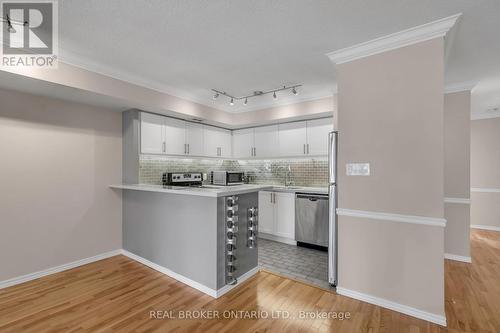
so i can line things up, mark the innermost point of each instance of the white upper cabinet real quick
(175, 136)
(317, 136)
(217, 142)
(152, 134)
(194, 139)
(266, 141)
(243, 143)
(293, 139)
(169, 136)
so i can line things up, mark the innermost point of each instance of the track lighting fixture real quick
(245, 98)
(10, 22)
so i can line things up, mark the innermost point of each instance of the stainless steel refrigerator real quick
(332, 215)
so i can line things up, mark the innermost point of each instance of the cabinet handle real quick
(308, 149)
(254, 151)
(164, 148)
(304, 148)
(188, 148)
(185, 148)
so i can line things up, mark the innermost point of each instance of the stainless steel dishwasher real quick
(311, 219)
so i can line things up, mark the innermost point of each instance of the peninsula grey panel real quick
(130, 146)
(176, 231)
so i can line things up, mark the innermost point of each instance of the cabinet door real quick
(194, 139)
(266, 141)
(175, 136)
(317, 136)
(266, 212)
(293, 139)
(226, 144)
(152, 136)
(243, 143)
(217, 142)
(284, 210)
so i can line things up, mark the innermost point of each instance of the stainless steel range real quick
(182, 179)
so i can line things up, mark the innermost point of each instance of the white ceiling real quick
(187, 47)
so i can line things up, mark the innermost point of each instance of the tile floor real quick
(299, 263)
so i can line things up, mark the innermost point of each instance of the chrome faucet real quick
(288, 176)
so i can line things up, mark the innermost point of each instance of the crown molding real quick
(459, 87)
(396, 40)
(485, 115)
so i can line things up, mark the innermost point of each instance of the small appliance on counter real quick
(227, 178)
(182, 179)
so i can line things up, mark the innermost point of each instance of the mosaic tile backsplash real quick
(303, 172)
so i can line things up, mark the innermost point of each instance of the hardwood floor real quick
(118, 295)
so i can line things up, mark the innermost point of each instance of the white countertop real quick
(206, 191)
(218, 191)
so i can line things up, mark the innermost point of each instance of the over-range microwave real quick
(228, 178)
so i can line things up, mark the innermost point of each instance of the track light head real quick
(246, 101)
(274, 95)
(10, 28)
(232, 102)
(216, 95)
(294, 91)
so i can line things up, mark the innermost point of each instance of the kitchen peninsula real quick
(204, 237)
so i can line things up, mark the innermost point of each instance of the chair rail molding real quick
(424, 220)
(394, 41)
(465, 201)
(485, 189)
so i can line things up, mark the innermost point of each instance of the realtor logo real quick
(29, 33)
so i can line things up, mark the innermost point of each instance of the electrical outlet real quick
(357, 169)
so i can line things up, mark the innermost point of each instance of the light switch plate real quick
(357, 169)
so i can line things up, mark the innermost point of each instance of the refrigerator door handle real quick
(332, 157)
(332, 235)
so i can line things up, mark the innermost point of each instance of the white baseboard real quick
(457, 258)
(57, 269)
(277, 238)
(485, 227)
(241, 279)
(172, 274)
(187, 281)
(433, 318)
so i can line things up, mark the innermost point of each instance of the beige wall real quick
(57, 160)
(394, 261)
(323, 107)
(457, 172)
(133, 96)
(485, 173)
(390, 114)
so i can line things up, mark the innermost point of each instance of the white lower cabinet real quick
(266, 212)
(277, 215)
